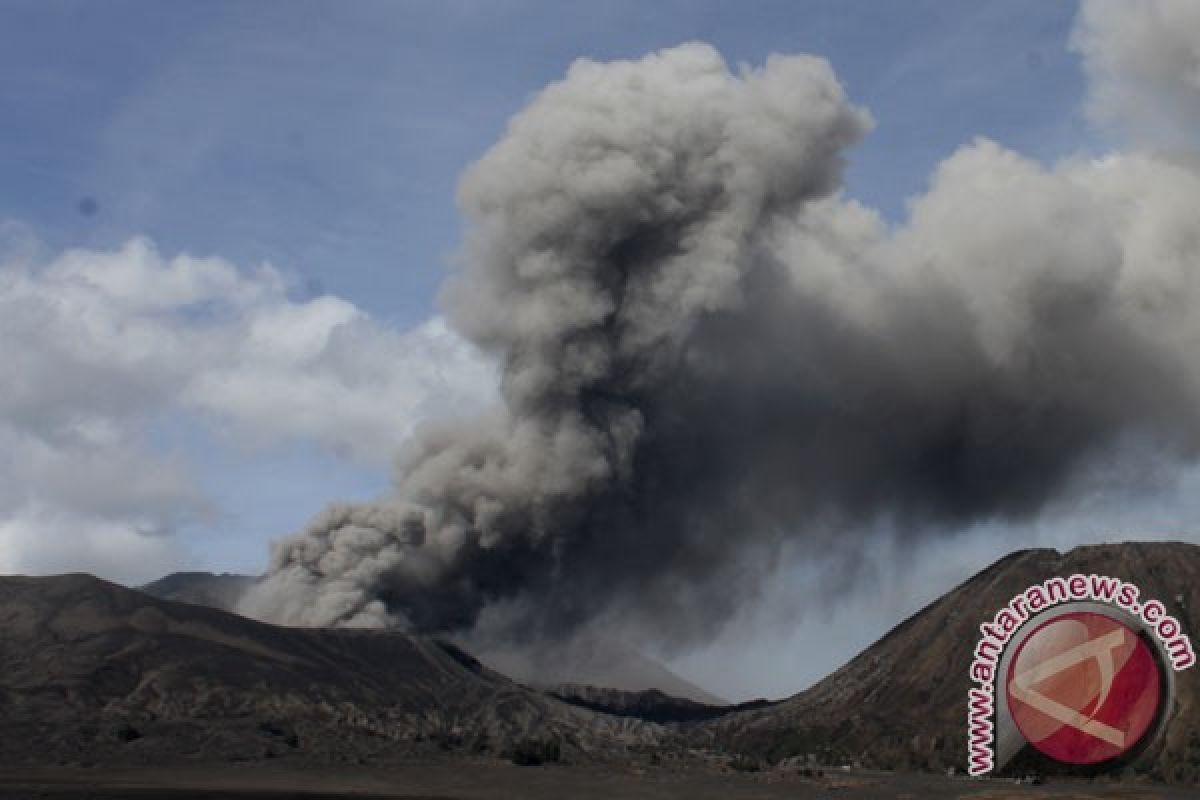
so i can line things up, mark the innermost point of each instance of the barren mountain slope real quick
(594, 661)
(902, 701)
(201, 588)
(90, 670)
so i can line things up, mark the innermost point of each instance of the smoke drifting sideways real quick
(710, 356)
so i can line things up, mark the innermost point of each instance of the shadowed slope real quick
(902, 701)
(89, 669)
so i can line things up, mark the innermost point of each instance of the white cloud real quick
(36, 540)
(103, 348)
(327, 372)
(1142, 60)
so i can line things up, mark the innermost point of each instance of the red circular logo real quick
(1084, 688)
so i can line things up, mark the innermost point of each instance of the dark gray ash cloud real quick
(709, 355)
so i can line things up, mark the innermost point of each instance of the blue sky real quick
(326, 139)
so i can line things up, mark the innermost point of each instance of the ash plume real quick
(709, 355)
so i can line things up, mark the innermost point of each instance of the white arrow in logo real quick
(1101, 649)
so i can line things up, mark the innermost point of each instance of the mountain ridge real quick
(594, 661)
(90, 669)
(901, 703)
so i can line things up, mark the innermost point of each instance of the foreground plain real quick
(480, 779)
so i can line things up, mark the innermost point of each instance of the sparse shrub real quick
(126, 732)
(448, 741)
(534, 752)
(745, 764)
(279, 731)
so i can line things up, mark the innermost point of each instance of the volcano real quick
(94, 672)
(902, 702)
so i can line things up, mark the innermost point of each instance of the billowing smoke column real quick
(708, 354)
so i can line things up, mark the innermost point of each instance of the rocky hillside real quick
(902, 702)
(92, 671)
(202, 588)
(592, 661)
(649, 704)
